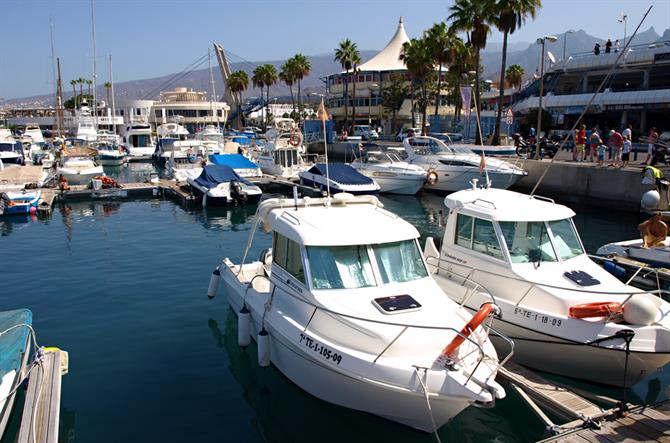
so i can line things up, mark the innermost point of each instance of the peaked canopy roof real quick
(388, 58)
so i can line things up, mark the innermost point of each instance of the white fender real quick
(214, 281)
(263, 341)
(243, 327)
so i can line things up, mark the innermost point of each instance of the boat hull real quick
(396, 185)
(337, 188)
(80, 177)
(452, 181)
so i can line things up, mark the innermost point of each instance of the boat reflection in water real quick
(233, 218)
(284, 412)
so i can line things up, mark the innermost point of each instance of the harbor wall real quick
(584, 183)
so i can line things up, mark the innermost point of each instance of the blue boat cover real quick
(13, 343)
(242, 140)
(212, 175)
(235, 161)
(341, 173)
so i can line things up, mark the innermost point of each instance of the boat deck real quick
(41, 410)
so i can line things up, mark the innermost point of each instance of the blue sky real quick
(149, 38)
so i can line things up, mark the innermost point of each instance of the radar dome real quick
(650, 200)
(640, 310)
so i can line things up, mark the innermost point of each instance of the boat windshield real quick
(565, 239)
(528, 241)
(399, 261)
(6, 147)
(340, 267)
(427, 146)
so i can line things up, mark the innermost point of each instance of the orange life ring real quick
(474, 322)
(294, 140)
(431, 177)
(598, 309)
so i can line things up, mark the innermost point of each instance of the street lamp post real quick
(565, 40)
(624, 20)
(541, 41)
(372, 86)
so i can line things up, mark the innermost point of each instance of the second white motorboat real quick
(355, 319)
(393, 175)
(77, 164)
(338, 177)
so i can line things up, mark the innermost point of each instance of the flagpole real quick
(324, 117)
(481, 142)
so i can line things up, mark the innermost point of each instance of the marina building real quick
(370, 79)
(189, 108)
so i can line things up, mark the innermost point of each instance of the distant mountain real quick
(577, 42)
(525, 54)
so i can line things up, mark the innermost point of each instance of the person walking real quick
(625, 152)
(594, 143)
(652, 138)
(580, 143)
(608, 46)
(615, 141)
(617, 45)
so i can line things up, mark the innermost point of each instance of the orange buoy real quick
(474, 322)
(598, 309)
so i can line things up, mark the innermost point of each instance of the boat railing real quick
(291, 292)
(532, 285)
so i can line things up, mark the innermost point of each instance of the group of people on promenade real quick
(608, 47)
(589, 143)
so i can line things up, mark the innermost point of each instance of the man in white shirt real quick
(628, 132)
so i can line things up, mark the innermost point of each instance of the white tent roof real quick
(388, 58)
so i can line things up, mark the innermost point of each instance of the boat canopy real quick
(212, 175)
(13, 343)
(235, 161)
(341, 173)
(502, 205)
(339, 224)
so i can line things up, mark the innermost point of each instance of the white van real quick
(366, 132)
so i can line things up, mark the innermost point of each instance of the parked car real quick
(366, 132)
(404, 133)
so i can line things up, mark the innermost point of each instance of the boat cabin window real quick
(399, 262)
(286, 254)
(565, 238)
(340, 267)
(479, 235)
(528, 241)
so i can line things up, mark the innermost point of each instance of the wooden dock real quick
(640, 424)
(41, 410)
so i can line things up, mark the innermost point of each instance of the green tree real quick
(88, 85)
(73, 83)
(393, 96)
(444, 46)
(288, 76)
(81, 81)
(474, 17)
(509, 16)
(108, 88)
(302, 68)
(514, 76)
(417, 57)
(238, 82)
(345, 55)
(265, 76)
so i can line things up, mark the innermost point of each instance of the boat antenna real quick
(481, 143)
(593, 97)
(95, 82)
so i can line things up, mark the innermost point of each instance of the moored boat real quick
(77, 164)
(338, 177)
(220, 185)
(18, 203)
(393, 175)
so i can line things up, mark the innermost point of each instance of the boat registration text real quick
(320, 349)
(536, 317)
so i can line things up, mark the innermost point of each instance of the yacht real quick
(220, 185)
(393, 175)
(33, 131)
(355, 319)
(172, 130)
(212, 140)
(109, 154)
(452, 168)
(77, 163)
(139, 141)
(338, 177)
(282, 156)
(174, 151)
(566, 314)
(11, 152)
(86, 124)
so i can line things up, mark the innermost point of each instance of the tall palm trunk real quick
(501, 96)
(81, 88)
(478, 139)
(424, 110)
(439, 89)
(346, 100)
(299, 104)
(353, 105)
(290, 88)
(74, 95)
(412, 105)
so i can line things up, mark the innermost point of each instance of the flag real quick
(482, 164)
(322, 113)
(466, 99)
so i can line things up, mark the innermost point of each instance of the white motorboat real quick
(106, 136)
(347, 311)
(456, 166)
(566, 314)
(175, 151)
(139, 141)
(241, 164)
(11, 152)
(282, 156)
(86, 129)
(338, 177)
(220, 185)
(33, 131)
(212, 140)
(77, 163)
(109, 154)
(393, 175)
(658, 256)
(172, 130)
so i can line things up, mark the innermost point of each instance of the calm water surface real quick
(121, 286)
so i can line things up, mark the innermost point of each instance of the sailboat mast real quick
(212, 96)
(95, 83)
(111, 81)
(59, 102)
(53, 55)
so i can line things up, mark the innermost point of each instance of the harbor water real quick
(121, 286)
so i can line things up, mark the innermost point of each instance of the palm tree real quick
(393, 97)
(474, 17)
(238, 81)
(88, 84)
(355, 60)
(81, 81)
(510, 15)
(302, 70)
(417, 57)
(108, 87)
(288, 76)
(444, 46)
(265, 76)
(514, 76)
(73, 83)
(345, 54)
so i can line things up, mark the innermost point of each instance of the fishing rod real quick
(593, 97)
